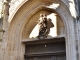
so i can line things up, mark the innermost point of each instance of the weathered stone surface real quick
(19, 25)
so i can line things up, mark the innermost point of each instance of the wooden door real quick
(46, 51)
(46, 58)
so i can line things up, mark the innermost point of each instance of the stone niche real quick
(31, 30)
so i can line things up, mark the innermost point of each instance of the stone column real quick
(77, 28)
(5, 29)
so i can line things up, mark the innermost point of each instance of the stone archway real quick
(22, 17)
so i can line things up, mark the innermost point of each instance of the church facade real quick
(19, 30)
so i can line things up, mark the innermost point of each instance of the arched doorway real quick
(52, 47)
(21, 25)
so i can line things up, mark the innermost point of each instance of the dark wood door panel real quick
(50, 57)
(40, 58)
(46, 48)
(49, 50)
(60, 57)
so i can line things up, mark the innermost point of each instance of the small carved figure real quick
(42, 25)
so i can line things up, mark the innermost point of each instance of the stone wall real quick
(12, 48)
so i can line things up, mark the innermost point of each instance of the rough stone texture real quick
(11, 47)
(1, 7)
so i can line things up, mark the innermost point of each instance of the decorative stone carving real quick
(44, 26)
(14, 5)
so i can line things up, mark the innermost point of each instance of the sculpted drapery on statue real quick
(44, 26)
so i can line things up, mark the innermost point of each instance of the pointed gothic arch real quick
(23, 15)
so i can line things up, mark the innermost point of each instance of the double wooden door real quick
(46, 51)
